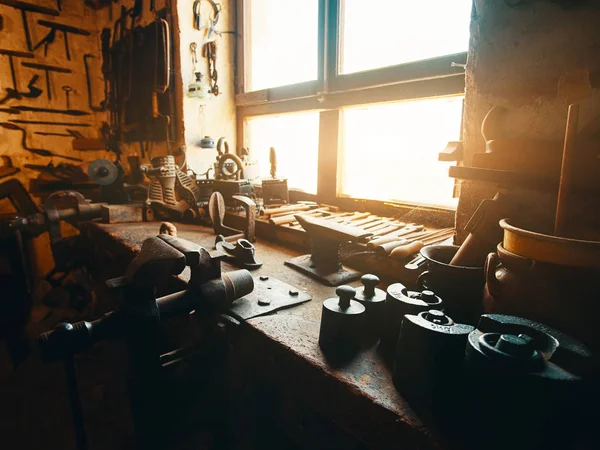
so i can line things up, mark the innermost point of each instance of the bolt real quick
(263, 278)
(437, 317)
(293, 293)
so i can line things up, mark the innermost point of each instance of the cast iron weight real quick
(429, 354)
(400, 301)
(531, 379)
(342, 322)
(373, 300)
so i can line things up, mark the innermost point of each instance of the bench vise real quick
(138, 319)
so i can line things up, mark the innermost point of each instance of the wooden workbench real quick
(282, 348)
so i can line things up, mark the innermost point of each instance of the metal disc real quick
(103, 172)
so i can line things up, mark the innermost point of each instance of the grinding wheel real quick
(103, 172)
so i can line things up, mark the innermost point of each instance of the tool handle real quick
(566, 173)
(404, 251)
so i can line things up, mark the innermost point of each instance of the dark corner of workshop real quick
(299, 225)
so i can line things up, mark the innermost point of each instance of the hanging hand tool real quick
(14, 92)
(54, 28)
(10, 111)
(7, 169)
(88, 81)
(25, 8)
(67, 112)
(210, 53)
(43, 122)
(37, 151)
(68, 90)
(47, 69)
(44, 133)
(76, 134)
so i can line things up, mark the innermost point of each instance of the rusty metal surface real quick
(269, 295)
(359, 395)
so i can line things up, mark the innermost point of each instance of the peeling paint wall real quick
(516, 57)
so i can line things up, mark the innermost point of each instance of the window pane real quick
(281, 42)
(296, 141)
(390, 151)
(384, 33)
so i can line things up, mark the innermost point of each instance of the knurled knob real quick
(345, 293)
(370, 282)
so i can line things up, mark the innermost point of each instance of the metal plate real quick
(305, 265)
(269, 295)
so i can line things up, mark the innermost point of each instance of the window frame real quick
(332, 91)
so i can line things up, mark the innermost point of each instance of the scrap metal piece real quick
(269, 295)
(242, 252)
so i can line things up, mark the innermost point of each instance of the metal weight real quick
(342, 322)
(429, 354)
(400, 301)
(530, 380)
(373, 300)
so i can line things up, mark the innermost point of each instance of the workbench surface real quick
(358, 395)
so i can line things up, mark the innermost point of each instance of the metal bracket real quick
(269, 295)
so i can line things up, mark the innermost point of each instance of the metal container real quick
(461, 287)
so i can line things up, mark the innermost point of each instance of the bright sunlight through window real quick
(296, 141)
(282, 43)
(382, 33)
(390, 151)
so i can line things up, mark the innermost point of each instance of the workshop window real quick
(281, 43)
(388, 78)
(295, 138)
(397, 160)
(384, 33)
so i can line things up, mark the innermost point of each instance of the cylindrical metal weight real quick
(400, 301)
(342, 324)
(373, 300)
(429, 354)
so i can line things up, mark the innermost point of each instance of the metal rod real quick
(41, 122)
(75, 403)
